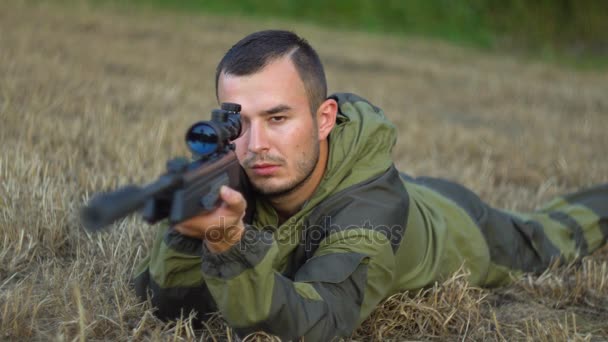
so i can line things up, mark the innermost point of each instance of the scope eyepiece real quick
(205, 138)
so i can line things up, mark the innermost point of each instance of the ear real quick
(326, 117)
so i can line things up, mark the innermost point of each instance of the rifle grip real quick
(197, 198)
(212, 199)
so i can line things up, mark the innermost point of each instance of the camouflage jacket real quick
(367, 232)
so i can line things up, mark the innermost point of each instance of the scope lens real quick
(202, 139)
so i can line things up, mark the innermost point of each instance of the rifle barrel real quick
(105, 208)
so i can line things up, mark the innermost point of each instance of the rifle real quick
(187, 188)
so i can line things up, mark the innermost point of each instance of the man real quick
(332, 227)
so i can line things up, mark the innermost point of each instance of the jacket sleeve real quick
(329, 296)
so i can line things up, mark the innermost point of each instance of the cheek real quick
(298, 146)
(300, 137)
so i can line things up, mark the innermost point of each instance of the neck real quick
(288, 204)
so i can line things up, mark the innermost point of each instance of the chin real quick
(267, 189)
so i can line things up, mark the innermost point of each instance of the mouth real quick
(264, 169)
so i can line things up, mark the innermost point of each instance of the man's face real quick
(279, 147)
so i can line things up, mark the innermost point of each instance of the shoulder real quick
(379, 204)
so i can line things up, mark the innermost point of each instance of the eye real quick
(277, 118)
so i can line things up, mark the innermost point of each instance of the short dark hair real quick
(254, 52)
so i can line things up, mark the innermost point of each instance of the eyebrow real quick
(277, 109)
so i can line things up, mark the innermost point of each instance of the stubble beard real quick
(305, 168)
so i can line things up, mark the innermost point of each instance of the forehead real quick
(277, 83)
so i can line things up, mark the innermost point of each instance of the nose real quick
(258, 139)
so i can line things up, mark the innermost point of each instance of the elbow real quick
(175, 302)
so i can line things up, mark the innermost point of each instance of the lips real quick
(264, 169)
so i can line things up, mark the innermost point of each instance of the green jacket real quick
(367, 232)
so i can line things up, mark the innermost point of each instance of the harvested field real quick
(94, 98)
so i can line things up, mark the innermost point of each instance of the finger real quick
(185, 227)
(194, 222)
(233, 199)
(187, 231)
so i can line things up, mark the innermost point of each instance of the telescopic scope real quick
(206, 138)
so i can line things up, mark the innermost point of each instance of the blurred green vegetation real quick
(575, 31)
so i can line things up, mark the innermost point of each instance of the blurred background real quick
(569, 31)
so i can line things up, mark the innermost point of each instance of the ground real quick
(93, 98)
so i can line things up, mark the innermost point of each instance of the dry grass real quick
(451, 308)
(92, 99)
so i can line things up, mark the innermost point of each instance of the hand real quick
(220, 228)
